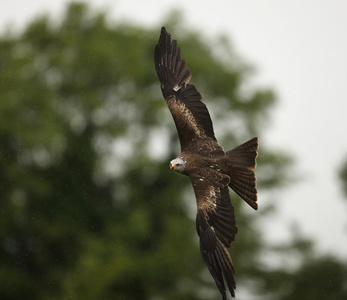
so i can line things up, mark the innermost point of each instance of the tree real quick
(343, 177)
(307, 274)
(89, 207)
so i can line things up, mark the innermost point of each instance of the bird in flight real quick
(211, 170)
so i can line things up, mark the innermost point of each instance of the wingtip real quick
(217, 258)
(163, 32)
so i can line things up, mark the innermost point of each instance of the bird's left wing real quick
(215, 224)
(192, 119)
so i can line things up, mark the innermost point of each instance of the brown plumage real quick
(211, 170)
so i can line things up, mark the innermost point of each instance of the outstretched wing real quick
(192, 119)
(215, 224)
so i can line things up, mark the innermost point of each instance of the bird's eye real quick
(178, 164)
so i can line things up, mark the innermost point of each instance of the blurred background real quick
(89, 208)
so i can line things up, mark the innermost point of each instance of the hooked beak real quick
(173, 167)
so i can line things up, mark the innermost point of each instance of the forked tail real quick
(242, 176)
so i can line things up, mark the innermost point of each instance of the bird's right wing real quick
(191, 116)
(215, 224)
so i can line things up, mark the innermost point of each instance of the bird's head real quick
(177, 165)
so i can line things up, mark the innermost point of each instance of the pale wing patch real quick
(176, 88)
(180, 111)
(209, 200)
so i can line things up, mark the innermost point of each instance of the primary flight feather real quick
(211, 170)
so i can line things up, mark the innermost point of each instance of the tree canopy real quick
(89, 207)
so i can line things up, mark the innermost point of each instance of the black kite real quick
(211, 170)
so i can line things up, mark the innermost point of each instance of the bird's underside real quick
(211, 170)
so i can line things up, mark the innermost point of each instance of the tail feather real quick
(242, 176)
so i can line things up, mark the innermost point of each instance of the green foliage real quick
(343, 177)
(323, 278)
(316, 278)
(89, 208)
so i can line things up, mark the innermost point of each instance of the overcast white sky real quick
(300, 50)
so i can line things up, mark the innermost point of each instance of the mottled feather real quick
(190, 114)
(215, 225)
